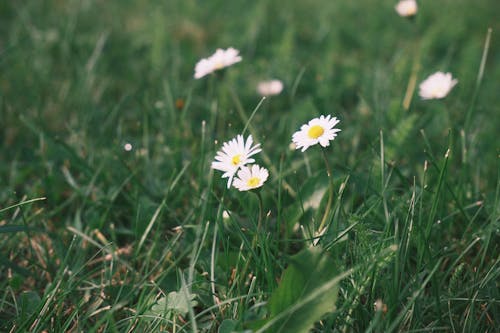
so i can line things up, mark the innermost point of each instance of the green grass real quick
(97, 239)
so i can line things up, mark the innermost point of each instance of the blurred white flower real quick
(250, 178)
(127, 147)
(319, 130)
(233, 155)
(407, 8)
(438, 85)
(270, 88)
(220, 59)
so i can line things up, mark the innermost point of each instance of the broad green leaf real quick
(227, 326)
(307, 291)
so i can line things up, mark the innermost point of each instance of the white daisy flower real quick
(407, 8)
(438, 85)
(319, 130)
(250, 177)
(220, 59)
(270, 88)
(233, 155)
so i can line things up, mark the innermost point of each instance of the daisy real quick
(319, 130)
(438, 85)
(233, 155)
(250, 177)
(270, 88)
(220, 59)
(407, 8)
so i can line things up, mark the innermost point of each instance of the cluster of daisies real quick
(233, 157)
(235, 160)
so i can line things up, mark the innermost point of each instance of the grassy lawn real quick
(113, 220)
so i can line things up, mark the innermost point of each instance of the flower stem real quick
(261, 210)
(330, 193)
(256, 235)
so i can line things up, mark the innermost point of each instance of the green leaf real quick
(227, 326)
(179, 303)
(175, 302)
(307, 291)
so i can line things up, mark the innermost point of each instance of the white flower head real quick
(250, 177)
(127, 146)
(407, 8)
(319, 130)
(233, 155)
(220, 59)
(270, 88)
(438, 85)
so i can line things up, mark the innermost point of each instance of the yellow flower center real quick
(219, 65)
(315, 131)
(236, 159)
(253, 182)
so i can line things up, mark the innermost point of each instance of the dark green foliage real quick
(94, 238)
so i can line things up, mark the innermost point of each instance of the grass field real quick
(112, 219)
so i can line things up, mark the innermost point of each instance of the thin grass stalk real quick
(479, 79)
(330, 193)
